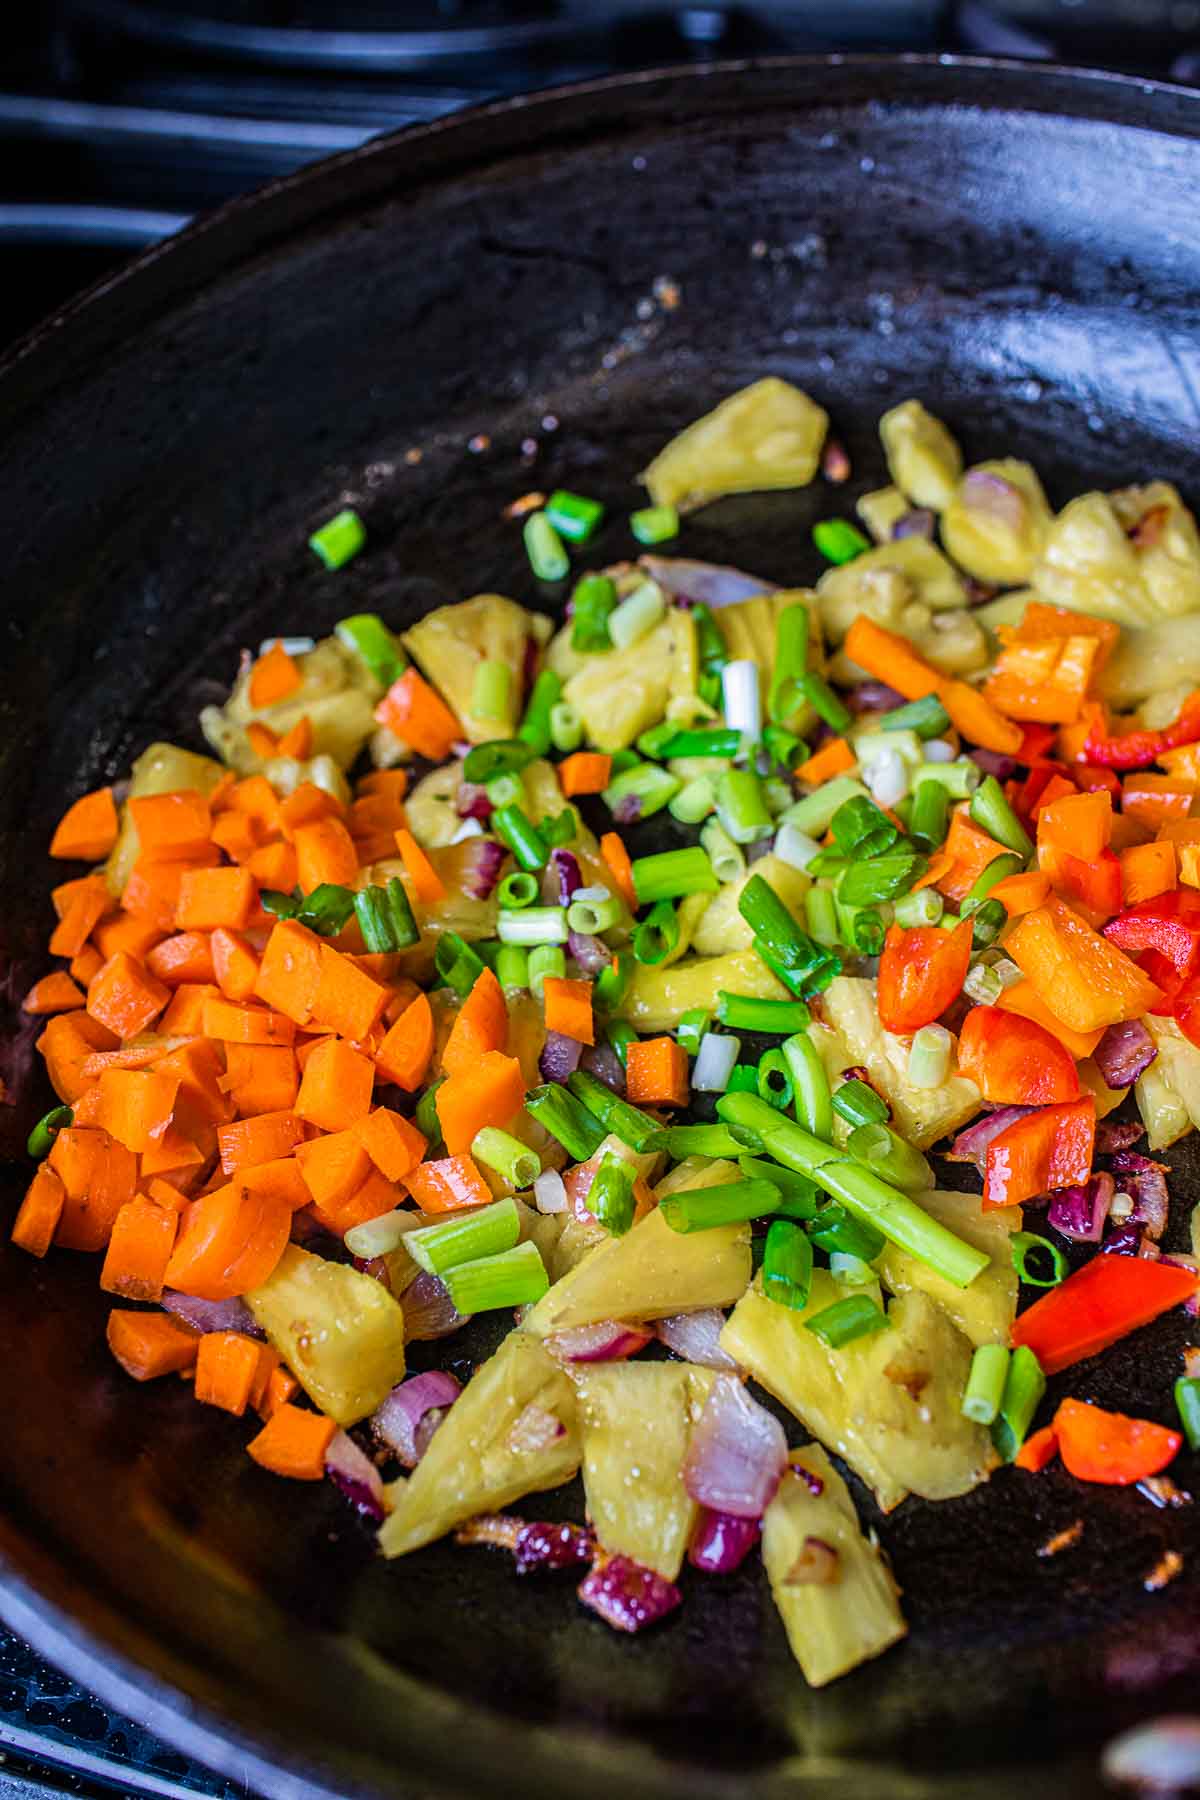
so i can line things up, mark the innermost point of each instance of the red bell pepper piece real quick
(1105, 1300)
(1169, 924)
(1187, 1010)
(1047, 1149)
(1094, 888)
(1033, 787)
(1037, 741)
(921, 973)
(1038, 1450)
(1138, 749)
(1013, 1061)
(1110, 1447)
(1090, 778)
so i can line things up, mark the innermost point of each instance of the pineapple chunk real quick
(657, 997)
(472, 1465)
(160, 769)
(337, 694)
(636, 1420)
(997, 522)
(339, 1332)
(1171, 1084)
(923, 459)
(931, 580)
(1132, 556)
(1163, 1113)
(451, 642)
(831, 1628)
(721, 927)
(749, 628)
(880, 510)
(619, 693)
(459, 911)
(767, 435)
(1151, 661)
(1166, 543)
(652, 1271)
(430, 806)
(985, 1310)
(922, 1115)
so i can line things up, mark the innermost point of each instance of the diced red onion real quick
(560, 1056)
(1081, 1212)
(566, 867)
(471, 802)
(758, 849)
(628, 809)
(534, 1430)
(1178, 1260)
(737, 1454)
(1148, 1250)
(412, 1412)
(610, 1341)
(818, 1565)
(695, 1337)
(1145, 1183)
(721, 1542)
(626, 1595)
(706, 584)
(1124, 1241)
(487, 860)
(986, 492)
(602, 1061)
(1117, 1134)
(213, 1315)
(429, 1312)
(541, 1545)
(971, 1145)
(994, 762)
(873, 696)
(592, 955)
(917, 523)
(355, 1477)
(549, 1192)
(809, 1477)
(1124, 1052)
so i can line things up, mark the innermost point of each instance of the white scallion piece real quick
(741, 697)
(294, 646)
(714, 1063)
(378, 1236)
(468, 829)
(983, 985)
(795, 847)
(549, 1192)
(636, 615)
(887, 778)
(929, 1058)
(937, 750)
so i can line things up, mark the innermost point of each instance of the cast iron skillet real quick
(1018, 247)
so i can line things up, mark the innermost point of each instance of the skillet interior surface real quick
(1016, 247)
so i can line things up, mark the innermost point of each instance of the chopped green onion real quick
(882, 878)
(741, 807)
(280, 906)
(592, 603)
(40, 1141)
(849, 1270)
(491, 690)
(513, 826)
(927, 717)
(982, 984)
(824, 702)
(774, 1079)
(573, 516)
(637, 615)
(924, 906)
(742, 1014)
(827, 862)
(814, 813)
(457, 963)
(385, 918)
(694, 801)
(1023, 1389)
(727, 861)
(838, 540)
(862, 929)
(620, 1035)
(820, 915)
(640, 791)
(366, 636)
(630, 1125)
(1187, 1405)
(534, 728)
(791, 663)
(505, 790)
(960, 779)
(680, 1141)
(566, 727)
(787, 1265)
(566, 1119)
(610, 1198)
(929, 1057)
(691, 1028)
(512, 967)
(657, 934)
(801, 978)
(1026, 1247)
(340, 539)
(890, 1156)
(861, 830)
(519, 888)
(702, 1209)
(858, 1103)
(547, 555)
(426, 1114)
(854, 1317)
(992, 813)
(611, 984)
(989, 921)
(327, 909)
(836, 1229)
(722, 740)
(593, 910)
(810, 1084)
(985, 1384)
(623, 759)
(770, 921)
(777, 793)
(710, 645)
(797, 1195)
(533, 925)
(516, 1277)
(485, 763)
(546, 962)
(743, 1079)
(673, 874)
(872, 747)
(560, 828)
(653, 740)
(784, 747)
(997, 870)
(654, 524)
(930, 816)
(796, 848)
(512, 1160)
(481, 1232)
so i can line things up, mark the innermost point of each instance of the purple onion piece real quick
(535, 1429)
(471, 802)
(1146, 1184)
(602, 1061)
(986, 492)
(994, 762)
(721, 1542)
(628, 809)
(737, 1453)
(1117, 1134)
(1081, 1212)
(971, 1145)
(918, 522)
(487, 860)
(758, 849)
(213, 1315)
(1124, 1052)
(566, 867)
(398, 1422)
(873, 696)
(609, 1341)
(560, 1056)
(628, 1596)
(356, 1477)
(542, 1546)
(1124, 1240)
(589, 952)
(701, 583)
(429, 1312)
(696, 1337)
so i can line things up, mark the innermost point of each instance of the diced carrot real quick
(972, 851)
(226, 1370)
(125, 996)
(65, 893)
(166, 1194)
(1038, 1450)
(39, 1212)
(1084, 980)
(394, 1146)
(171, 827)
(586, 772)
(616, 856)
(290, 971)
(274, 866)
(1022, 998)
(229, 1242)
(273, 677)
(325, 852)
(406, 1051)
(1179, 832)
(480, 1025)
(1183, 763)
(656, 1072)
(304, 1050)
(490, 1092)
(262, 740)
(447, 1185)
(99, 1176)
(234, 964)
(375, 1197)
(1153, 799)
(1189, 865)
(419, 717)
(260, 1078)
(976, 719)
(1080, 824)
(186, 957)
(307, 804)
(392, 782)
(267, 1363)
(175, 1155)
(889, 658)
(209, 898)
(335, 1090)
(87, 1107)
(136, 1105)
(87, 831)
(347, 1000)
(237, 834)
(281, 1387)
(257, 799)
(1148, 870)
(143, 1236)
(54, 993)
(568, 1008)
(265, 1138)
(427, 884)
(89, 901)
(333, 1167)
(135, 933)
(297, 742)
(246, 1024)
(280, 1180)
(148, 1345)
(151, 892)
(66, 1042)
(185, 1014)
(86, 964)
(833, 758)
(293, 1442)
(1019, 894)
